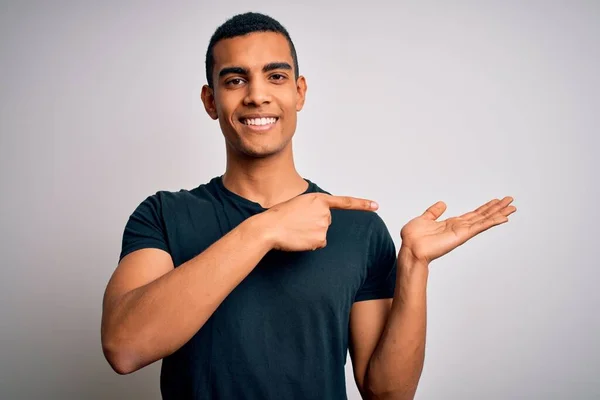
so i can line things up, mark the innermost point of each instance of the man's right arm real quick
(151, 309)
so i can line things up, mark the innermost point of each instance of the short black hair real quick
(243, 24)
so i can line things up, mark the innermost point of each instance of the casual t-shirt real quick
(283, 332)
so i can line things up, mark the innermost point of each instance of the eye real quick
(234, 82)
(278, 77)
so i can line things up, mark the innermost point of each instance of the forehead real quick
(252, 51)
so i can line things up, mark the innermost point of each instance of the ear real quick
(301, 91)
(208, 98)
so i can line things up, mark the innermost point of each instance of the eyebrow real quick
(277, 65)
(244, 71)
(233, 70)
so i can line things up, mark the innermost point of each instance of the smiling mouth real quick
(259, 122)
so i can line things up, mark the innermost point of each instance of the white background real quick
(408, 103)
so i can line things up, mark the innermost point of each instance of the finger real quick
(489, 209)
(476, 213)
(320, 245)
(435, 211)
(499, 217)
(498, 207)
(350, 203)
(508, 211)
(485, 206)
(488, 223)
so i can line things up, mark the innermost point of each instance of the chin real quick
(260, 152)
(258, 146)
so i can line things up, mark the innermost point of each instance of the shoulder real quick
(175, 221)
(170, 201)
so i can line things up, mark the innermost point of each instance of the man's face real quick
(255, 96)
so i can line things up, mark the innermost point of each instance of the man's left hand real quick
(427, 239)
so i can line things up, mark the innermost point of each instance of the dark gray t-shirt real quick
(283, 331)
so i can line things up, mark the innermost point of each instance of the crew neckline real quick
(240, 199)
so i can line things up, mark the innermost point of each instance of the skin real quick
(260, 165)
(242, 87)
(396, 362)
(151, 309)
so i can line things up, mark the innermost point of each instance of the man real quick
(255, 284)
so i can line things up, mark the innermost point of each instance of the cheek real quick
(225, 106)
(289, 124)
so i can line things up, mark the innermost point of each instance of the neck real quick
(266, 181)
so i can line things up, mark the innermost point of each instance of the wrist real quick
(411, 281)
(408, 263)
(260, 227)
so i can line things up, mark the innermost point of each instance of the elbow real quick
(372, 391)
(117, 360)
(121, 358)
(369, 391)
(390, 393)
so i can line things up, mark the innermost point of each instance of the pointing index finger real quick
(351, 203)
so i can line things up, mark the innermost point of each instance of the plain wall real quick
(408, 103)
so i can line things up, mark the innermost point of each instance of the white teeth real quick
(259, 121)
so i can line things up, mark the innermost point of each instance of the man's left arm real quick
(388, 336)
(387, 339)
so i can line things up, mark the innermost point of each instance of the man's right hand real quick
(301, 223)
(147, 295)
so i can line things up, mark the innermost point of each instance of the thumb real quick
(435, 211)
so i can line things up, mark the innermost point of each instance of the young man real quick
(255, 284)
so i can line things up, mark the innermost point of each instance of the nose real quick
(257, 93)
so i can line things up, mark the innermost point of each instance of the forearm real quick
(396, 364)
(154, 320)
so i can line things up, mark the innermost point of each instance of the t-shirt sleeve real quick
(380, 281)
(145, 228)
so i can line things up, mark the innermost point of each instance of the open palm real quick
(428, 239)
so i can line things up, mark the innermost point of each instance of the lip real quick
(258, 116)
(259, 128)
